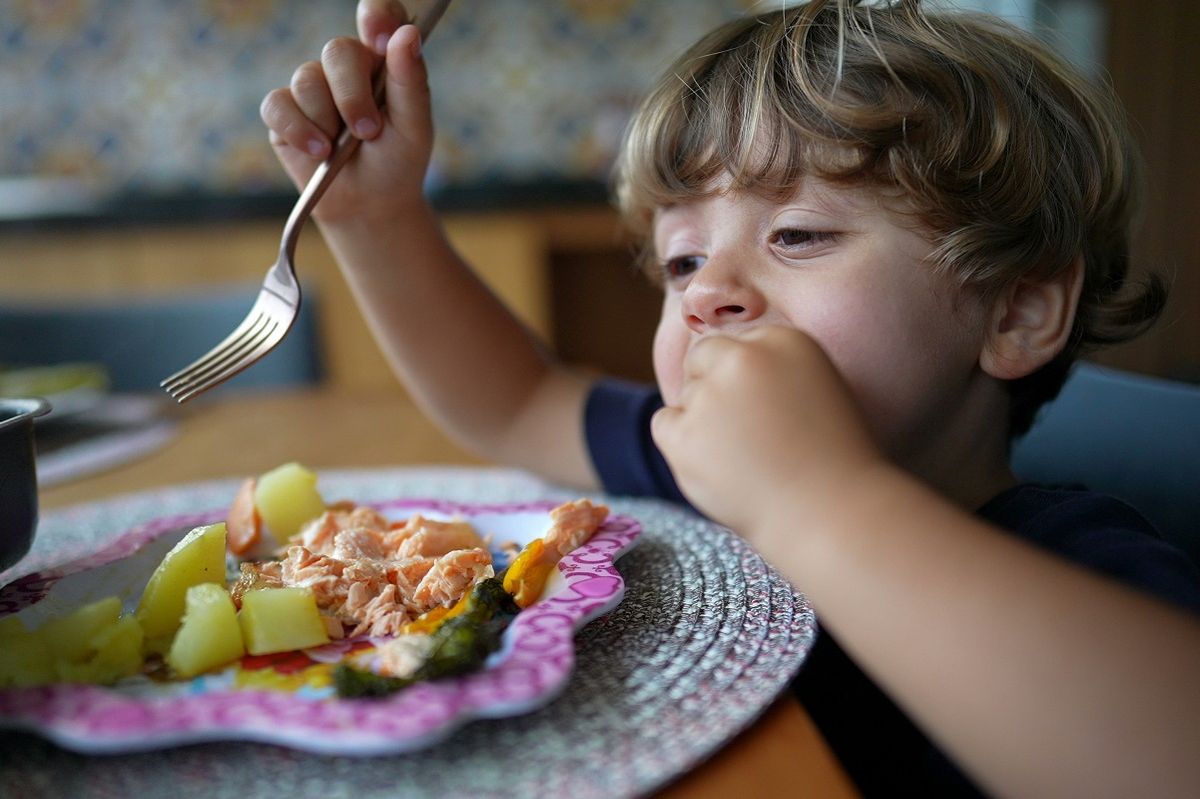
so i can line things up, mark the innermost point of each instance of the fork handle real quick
(346, 144)
(344, 147)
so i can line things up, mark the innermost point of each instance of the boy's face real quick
(835, 263)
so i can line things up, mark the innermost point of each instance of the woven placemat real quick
(705, 639)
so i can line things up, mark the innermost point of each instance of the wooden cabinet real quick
(1155, 67)
(516, 254)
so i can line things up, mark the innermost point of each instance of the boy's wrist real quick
(380, 223)
(799, 531)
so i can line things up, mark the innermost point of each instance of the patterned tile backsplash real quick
(163, 95)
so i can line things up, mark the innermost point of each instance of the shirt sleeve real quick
(617, 426)
(1109, 536)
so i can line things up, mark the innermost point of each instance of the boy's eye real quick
(796, 237)
(682, 266)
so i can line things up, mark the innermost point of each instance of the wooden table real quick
(325, 429)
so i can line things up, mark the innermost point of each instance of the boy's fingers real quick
(377, 20)
(407, 91)
(349, 67)
(703, 354)
(289, 125)
(662, 425)
(311, 92)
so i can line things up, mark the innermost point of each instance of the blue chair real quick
(1135, 437)
(142, 340)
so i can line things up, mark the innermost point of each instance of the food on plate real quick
(574, 524)
(95, 643)
(271, 508)
(405, 600)
(370, 576)
(27, 657)
(243, 525)
(286, 498)
(280, 620)
(209, 635)
(198, 558)
(69, 636)
(458, 646)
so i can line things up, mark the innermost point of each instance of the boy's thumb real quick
(406, 94)
(377, 20)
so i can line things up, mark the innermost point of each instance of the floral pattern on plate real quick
(528, 671)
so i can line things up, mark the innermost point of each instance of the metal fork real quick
(278, 303)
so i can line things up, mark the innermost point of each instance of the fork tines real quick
(260, 332)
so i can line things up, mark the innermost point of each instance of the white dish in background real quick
(70, 388)
(117, 429)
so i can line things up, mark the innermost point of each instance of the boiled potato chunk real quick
(12, 627)
(70, 637)
(210, 635)
(198, 558)
(286, 498)
(114, 652)
(280, 620)
(119, 649)
(93, 644)
(25, 657)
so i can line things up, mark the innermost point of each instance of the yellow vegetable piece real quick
(286, 498)
(526, 577)
(280, 620)
(25, 658)
(116, 652)
(198, 558)
(11, 626)
(70, 637)
(119, 649)
(430, 620)
(92, 644)
(210, 635)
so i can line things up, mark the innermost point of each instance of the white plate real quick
(289, 699)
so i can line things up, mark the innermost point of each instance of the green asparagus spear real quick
(459, 645)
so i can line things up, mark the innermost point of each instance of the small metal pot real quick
(18, 477)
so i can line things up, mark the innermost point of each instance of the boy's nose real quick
(721, 300)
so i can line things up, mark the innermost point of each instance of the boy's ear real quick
(1030, 323)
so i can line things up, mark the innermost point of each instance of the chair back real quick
(140, 341)
(1132, 436)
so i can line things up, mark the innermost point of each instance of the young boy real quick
(883, 234)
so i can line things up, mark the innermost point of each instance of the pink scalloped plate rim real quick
(530, 671)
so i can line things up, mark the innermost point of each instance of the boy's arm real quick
(1039, 677)
(468, 363)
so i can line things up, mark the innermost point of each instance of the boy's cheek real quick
(669, 351)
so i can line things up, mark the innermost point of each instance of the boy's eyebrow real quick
(828, 199)
(664, 227)
(669, 213)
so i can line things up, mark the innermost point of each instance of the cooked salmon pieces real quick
(371, 576)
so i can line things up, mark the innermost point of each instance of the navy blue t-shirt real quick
(881, 749)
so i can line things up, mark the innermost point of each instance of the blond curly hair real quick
(1013, 162)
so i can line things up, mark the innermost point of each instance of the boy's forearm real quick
(466, 360)
(1087, 687)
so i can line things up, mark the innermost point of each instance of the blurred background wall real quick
(141, 117)
(163, 95)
